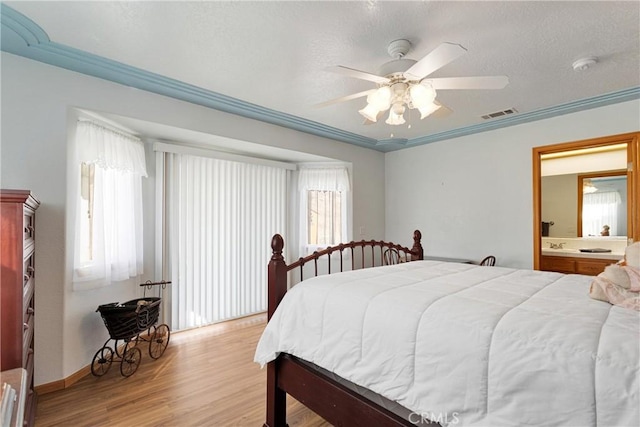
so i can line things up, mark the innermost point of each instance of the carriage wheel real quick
(159, 341)
(131, 357)
(102, 361)
(117, 349)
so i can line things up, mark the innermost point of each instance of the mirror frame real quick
(590, 175)
(633, 183)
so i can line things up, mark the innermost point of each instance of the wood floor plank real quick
(206, 377)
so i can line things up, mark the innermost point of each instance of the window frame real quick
(346, 201)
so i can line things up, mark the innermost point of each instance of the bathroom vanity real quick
(564, 256)
(574, 264)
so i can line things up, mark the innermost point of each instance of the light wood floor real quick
(206, 377)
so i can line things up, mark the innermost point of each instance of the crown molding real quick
(39, 47)
(391, 142)
(25, 28)
(532, 116)
(33, 42)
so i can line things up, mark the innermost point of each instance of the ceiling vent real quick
(499, 114)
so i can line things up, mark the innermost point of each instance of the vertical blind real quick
(220, 217)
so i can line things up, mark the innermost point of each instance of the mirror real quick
(581, 204)
(602, 204)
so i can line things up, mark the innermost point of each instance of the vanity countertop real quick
(577, 254)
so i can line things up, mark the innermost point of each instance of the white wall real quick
(37, 115)
(472, 196)
(559, 204)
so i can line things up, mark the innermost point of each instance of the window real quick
(323, 207)
(324, 217)
(598, 210)
(108, 241)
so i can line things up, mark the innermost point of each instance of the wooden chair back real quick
(489, 261)
(391, 256)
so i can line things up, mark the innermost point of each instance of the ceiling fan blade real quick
(345, 98)
(441, 112)
(357, 74)
(436, 59)
(483, 82)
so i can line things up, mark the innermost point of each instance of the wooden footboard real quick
(286, 375)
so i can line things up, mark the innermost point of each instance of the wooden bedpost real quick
(417, 250)
(277, 284)
(277, 275)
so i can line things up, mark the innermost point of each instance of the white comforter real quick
(467, 345)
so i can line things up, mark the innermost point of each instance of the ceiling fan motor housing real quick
(397, 49)
(398, 66)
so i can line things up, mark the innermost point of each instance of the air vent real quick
(499, 114)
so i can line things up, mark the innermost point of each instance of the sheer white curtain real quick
(328, 209)
(220, 217)
(600, 209)
(108, 241)
(325, 178)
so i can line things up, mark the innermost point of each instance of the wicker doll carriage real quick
(126, 322)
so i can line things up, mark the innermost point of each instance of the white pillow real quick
(632, 255)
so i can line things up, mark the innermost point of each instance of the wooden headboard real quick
(279, 270)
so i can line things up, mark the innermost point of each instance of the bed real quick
(448, 343)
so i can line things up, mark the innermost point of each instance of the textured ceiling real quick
(274, 54)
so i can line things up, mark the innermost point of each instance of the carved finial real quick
(417, 250)
(277, 243)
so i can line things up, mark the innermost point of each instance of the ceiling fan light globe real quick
(381, 98)
(427, 110)
(396, 116)
(588, 187)
(421, 95)
(589, 190)
(427, 85)
(370, 112)
(395, 120)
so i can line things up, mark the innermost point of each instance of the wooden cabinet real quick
(17, 288)
(561, 264)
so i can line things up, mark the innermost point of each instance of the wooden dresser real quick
(17, 284)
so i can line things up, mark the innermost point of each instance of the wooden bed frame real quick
(328, 398)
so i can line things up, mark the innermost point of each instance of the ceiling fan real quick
(404, 83)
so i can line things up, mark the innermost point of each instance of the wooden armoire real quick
(17, 285)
